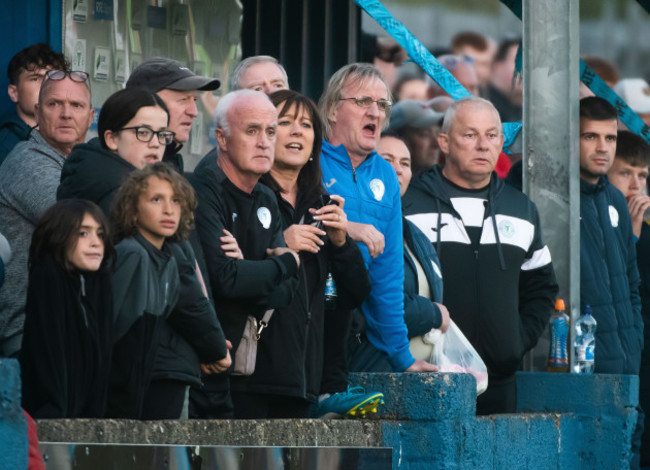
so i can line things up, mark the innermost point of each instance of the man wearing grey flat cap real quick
(178, 87)
(419, 126)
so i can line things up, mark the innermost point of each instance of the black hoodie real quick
(93, 173)
(501, 292)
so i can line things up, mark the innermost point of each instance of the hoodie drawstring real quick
(438, 228)
(502, 261)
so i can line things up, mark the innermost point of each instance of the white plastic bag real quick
(452, 352)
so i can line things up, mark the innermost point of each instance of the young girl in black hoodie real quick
(66, 351)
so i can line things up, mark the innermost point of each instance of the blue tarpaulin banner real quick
(421, 56)
(598, 86)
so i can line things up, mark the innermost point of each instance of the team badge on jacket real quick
(506, 228)
(377, 187)
(265, 217)
(613, 216)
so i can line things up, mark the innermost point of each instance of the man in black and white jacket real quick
(499, 281)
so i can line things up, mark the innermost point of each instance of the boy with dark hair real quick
(629, 174)
(25, 72)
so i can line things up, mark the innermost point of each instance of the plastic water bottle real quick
(585, 342)
(330, 292)
(558, 358)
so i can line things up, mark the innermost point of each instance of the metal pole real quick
(551, 139)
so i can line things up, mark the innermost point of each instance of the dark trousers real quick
(212, 401)
(335, 366)
(164, 400)
(267, 406)
(364, 357)
(500, 397)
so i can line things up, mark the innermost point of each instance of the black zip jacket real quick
(173, 157)
(192, 334)
(145, 289)
(501, 292)
(290, 352)
(256, 283)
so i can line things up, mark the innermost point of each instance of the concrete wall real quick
(566, 421)
(13, 425)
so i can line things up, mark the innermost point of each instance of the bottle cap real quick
(559, 304)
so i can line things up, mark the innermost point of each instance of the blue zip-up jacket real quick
(609, 278)
(371, 193)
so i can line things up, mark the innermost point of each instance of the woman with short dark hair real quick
(133, 133)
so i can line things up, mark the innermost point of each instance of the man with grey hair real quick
(261, 73)
(355, 108)
(238, 222)
(499, 283)
(28, 180)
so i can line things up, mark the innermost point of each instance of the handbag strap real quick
(264, 322)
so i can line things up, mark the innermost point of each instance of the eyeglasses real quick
(366, 102)
(144, 134)
(75, 75)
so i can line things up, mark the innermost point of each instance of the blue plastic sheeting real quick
(628, 117)
(591, 79)
(421, 56)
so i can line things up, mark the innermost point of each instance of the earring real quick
(311, 159)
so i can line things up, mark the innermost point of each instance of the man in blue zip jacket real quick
(355, 107)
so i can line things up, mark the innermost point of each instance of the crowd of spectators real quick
(313, 240)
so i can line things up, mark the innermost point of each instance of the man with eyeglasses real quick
(26, 71)
(179, 88)
(355, 107)
(499, 283)
(28, 181)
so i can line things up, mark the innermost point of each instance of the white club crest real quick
(265, 217)
(377, 187)
(613, 216)
(506, 228)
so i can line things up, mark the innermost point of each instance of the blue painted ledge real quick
(565, 421)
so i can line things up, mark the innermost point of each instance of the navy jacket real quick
(609, 278)
(12, 130)
(420, 313)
